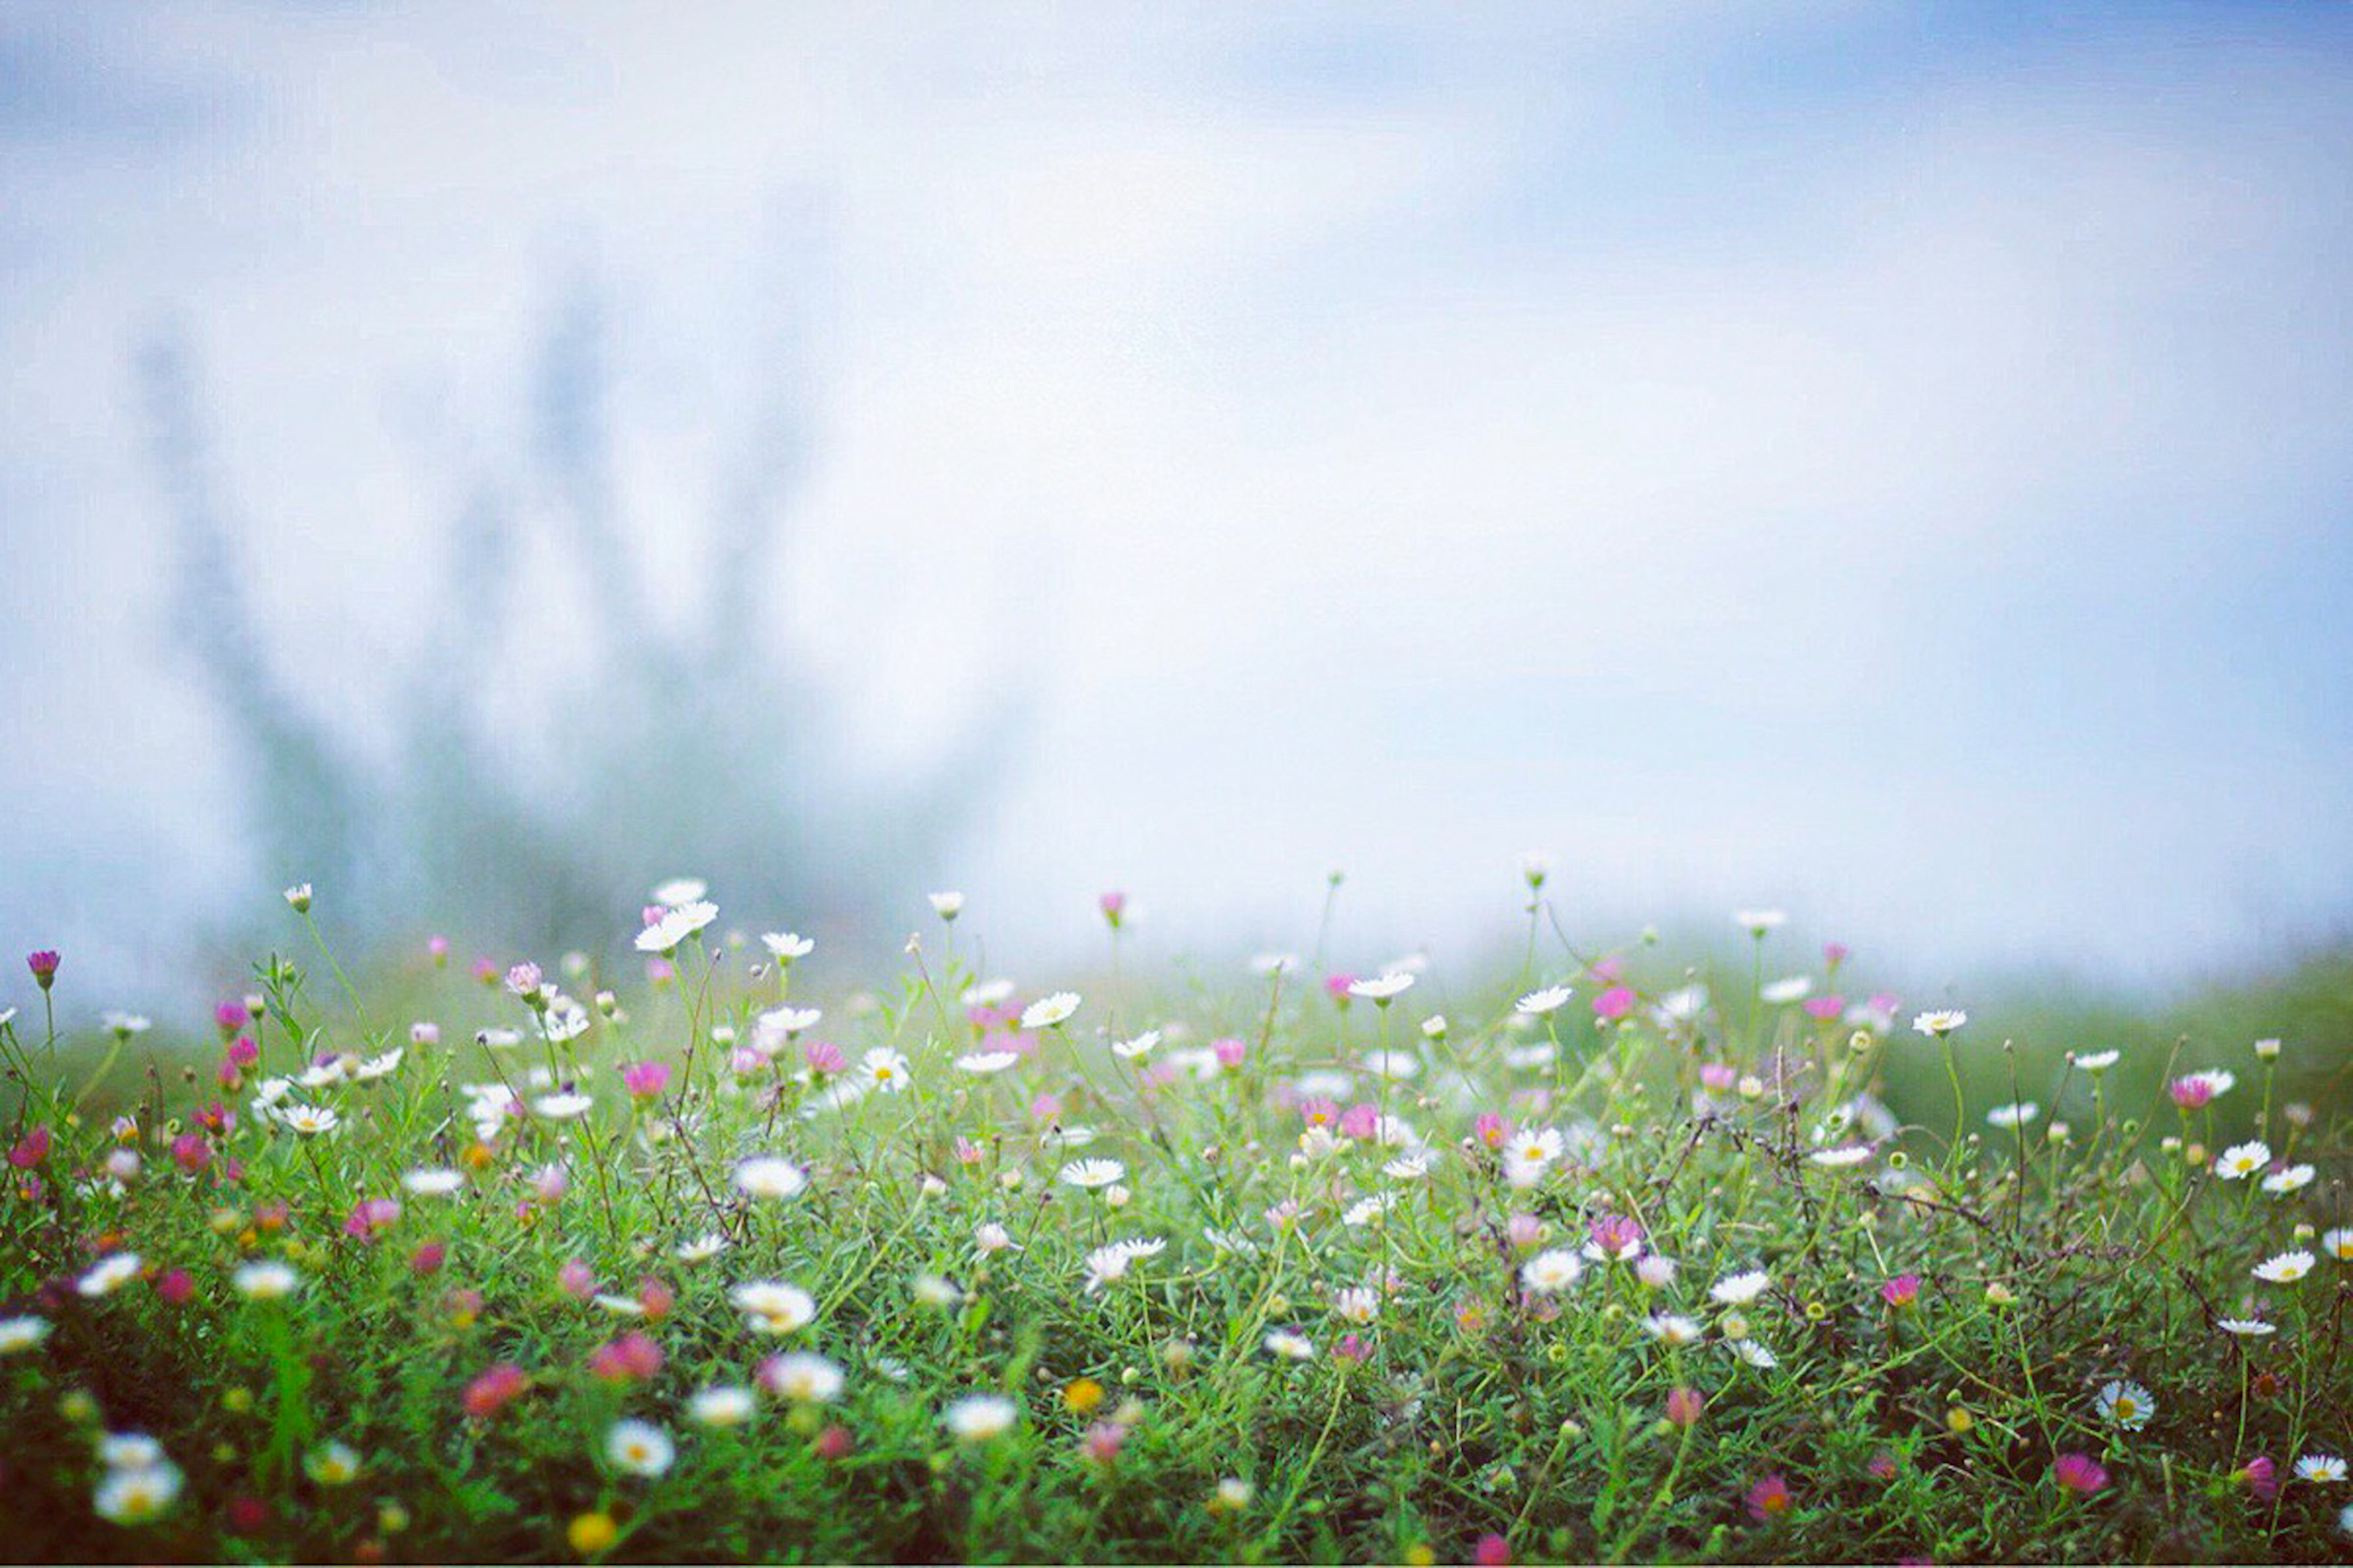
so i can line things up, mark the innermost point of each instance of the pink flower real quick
(1352, 1347)
(1491, 1129)
(1359, 1119)
(437, 948)
(658, 970)
(1101, 1443)
(1684, 1405)
(369, 1215)
(228, 1018)
(1114, 905)
(228, 1075)
(176, 1285)
(1045, 1107)
(493, 1388)
(1492, 1552)
(2192, 1091)
(549, 1183)
(1336, 987)
(2079, 1473)
(743, 1061)
(833, 1443)
(1824, 1009)
(1611, 968)
(44, 965)
(822, 1055)
(1768, 1498)
(1615, 1003)
(2259, 1477)
(575, 1278)
(1835, 953)
(1718, 1076)
(1881, 1466)
(967, 1152)
(646, 1079)
(632, 1358)
(427, 1258)
(1523, 1230)
(30, 1149)
(192, 1152)
(486, 971)
(1901, 1291)
(656, 1298)
(1228, 1050)
(1619, 1236)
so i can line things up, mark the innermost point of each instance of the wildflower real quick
(369, 1215)
(2259, 1477)
(1049, 1011)
(947, 905)
(309, 1120)
(1289, 1346)
(1092, 1173)
(1738, 1289)
(1355, 1304)
(298, 895)
(1616, 1235)
(773, 1307)
(1232, 1495)
(2013, 1116)
(784, 946)
(988, 1236)
(644, 1080)
(2079, 1473)
(1938, 1024)
(1383, 989)
(672, 926)
(109, 1275)
(1129, 1050)
(20, 1334)
(432, 1184)
(266, 1281)
(1673, 1328)
(1112, 1260)
(2243, 1160)
(2338, 1244)
(2285, 1268)
(2325, 1469)
(1756, 922)
(883, 1068)
(935, 1291)
(44, 965)
(589, 1533)
(2126, 1404)
(1491, 1550)
(976, 1418)
(1796, 988)
(1536, 1004)
(2193, 1089)
(769, 1176)
(1842, 1157)
(632, 1358)
(983, 1063)
(638, 1447)
(1684, 1406)
(1903, 1290)
(701, 1248)
(1102, 1442)
(492, 1388)
(331, 1464)
(802, 1377)
(1655, 1271)
(2295, 1178)
(1768, 1498)
(2246, 1328)
(136, 1494)
(723, 1405)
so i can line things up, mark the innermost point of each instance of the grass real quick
(1653, 1275)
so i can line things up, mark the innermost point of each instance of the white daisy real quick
(1781, 992)
(773, 1307)
(266, 1280)
(2295, 1178)
(1939, 1024)
(2013, 1116)
(567, 1107)
(2284, 1267)
(1551, 1271)
(985, 1062)
(2243, 1160)
(1756, 922)
(2124, 1404)
(674, 925)
(1739, 1290)
(2095, 1061)
(109, 1275)
(1754, 1354)
(20, 1334)
(883, 1068)
(722, 1405)
(1842, 1157)
(1673, 1328)
(701, 1249)
(638, 1447)
(2323, 1468)
(803, 1377)
(976, 1418)
(309, 1120)
(1364, 1211)
(770, 1176)
(377, 1066)
(137, 1494)
(1049, 1011)
(988, 994)
(434, 1183)
(784, 946)
(621, 1306)
(2246, 1328)
(680, 891)
(1381, 988)
(1536, 1004)
(946, 905)
(1092, 1173)
(1289, 1346)
(2338, 1244)
(1128, 1051)
(1355, 1304)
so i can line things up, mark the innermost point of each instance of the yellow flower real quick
(1081, 1396)
(1959, 1420)
(1420, 1556)
(590, 1534)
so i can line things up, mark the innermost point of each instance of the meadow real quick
(706, 1251)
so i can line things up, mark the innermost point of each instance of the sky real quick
(1888, 462)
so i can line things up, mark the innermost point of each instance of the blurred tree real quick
(693, 752)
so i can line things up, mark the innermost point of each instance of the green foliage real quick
(1935, 1324)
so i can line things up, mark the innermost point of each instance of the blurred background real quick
(1886, 461)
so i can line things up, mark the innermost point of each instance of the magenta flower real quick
(1114, 905)
(1352, 1347)
(1492, 1552)
(1768, 1498)
(1319, 1111)
(1359, 1119)
(1336, 987)
(1491, 1129)
(656, 1298)
(1684, 1405)
(176, 1285)
(428, 1258)
(44, 965)
(646, 1079)
(2259, 1477)
(822, 1055)
(632, 1358)
(1824, 1009)
(437, 948)
(1615, 1003)
(30, 1149)
(2079, 1473)
(1101, 1443)
(574, 1278)
(1619, 1236)
(1903, 1290)
(492, 1388)
(229, 1018)
(2192, 1091)
(1718, 1076)
(1835, 953)
(1228, 1050)
(369, 1215)
(243, 1051)
(1611, 968)
(192, 1152)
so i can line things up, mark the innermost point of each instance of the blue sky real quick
(1885, 460)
